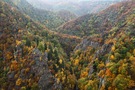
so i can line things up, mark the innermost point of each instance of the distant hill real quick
(48, 18)
(86, 25)
(66, 15)
(77, 7)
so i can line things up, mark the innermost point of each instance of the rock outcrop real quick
(40, 68)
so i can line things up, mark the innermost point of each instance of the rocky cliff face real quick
(32, 59)
(87, 43)
(46, 80)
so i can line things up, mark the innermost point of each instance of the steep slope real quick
(98, 23)
(48, 18)
(68, 42)
(29, 54)
(66, 15)
(41, 15)
(106, 61)
(78, 27)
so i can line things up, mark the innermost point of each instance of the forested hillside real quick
(92, 52)
(90, 24)
(29, 54)
(105, 59)
(47, 18)
(66, 15)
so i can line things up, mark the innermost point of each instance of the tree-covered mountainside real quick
(29, 54)
(48, 18)
(105, 61)
(66, 15)
(90, 24)
(92, 52)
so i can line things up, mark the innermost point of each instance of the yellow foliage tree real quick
(113, 48)
(108, 72)
(23, 88)
(84, 74)
(132, 58)
(58, 80)
(60, 61)
(101, 73)
(134, 52)
(131, 83)
(19, 81)
(102, 87)
(112, 57)
(14, 65)
(76, 62)
(27, 70)
(110, 88)
(18, 42)
(101, 65)
(8, 55)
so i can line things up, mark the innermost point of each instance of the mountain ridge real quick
(48, 18)
(84, 27)
(77, 7)
(97, 52)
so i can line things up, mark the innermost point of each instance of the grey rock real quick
(86, 43)
(40, 68)
(11, 75)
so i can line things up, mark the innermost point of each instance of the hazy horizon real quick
(69, 0)
(78, 7)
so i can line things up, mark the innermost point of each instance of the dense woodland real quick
(45, 50)
(47, 18)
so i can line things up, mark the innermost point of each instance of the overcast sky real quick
(63, 0)
(69, 0)
(75, 0)
(58, 1)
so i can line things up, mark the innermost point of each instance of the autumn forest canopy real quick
(67, 45)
